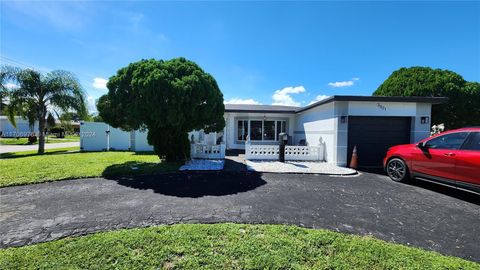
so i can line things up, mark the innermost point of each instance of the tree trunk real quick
(41, 134)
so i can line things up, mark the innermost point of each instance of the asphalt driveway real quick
(426, 216)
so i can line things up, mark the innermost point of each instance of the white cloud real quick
(344, 83)
(11, 86)
(318, 98)
(91, 106)
(283, 96)
(242, 101)
(68, 15)
(100, 83)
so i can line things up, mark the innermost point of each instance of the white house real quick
(337, 123)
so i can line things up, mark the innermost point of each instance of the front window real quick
(452, 141)
(260, 130)
(242, 129)
(256, 130)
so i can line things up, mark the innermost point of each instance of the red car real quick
(451, 158)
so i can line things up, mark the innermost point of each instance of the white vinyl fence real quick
(98, 136)
(207, 151)
(292, 152)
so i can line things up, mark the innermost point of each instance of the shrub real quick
(32, 139)
(58, 131)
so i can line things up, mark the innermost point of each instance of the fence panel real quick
(140, 142)
(271, 152)
(261, 152)
(93, 136)
(207, 151)
(306, 153)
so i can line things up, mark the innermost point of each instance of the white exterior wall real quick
(93, 137)
(421, 131)
(317, 126)
(230, 124)
(119, 139)
(139, 141)
(341, 138)
(22, 130)
(418, 131)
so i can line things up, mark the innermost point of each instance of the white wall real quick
(22, 130)
(119, 139)
(140, 143)
(315, 125)
(93, 137)
(421, 131)
(370, 108)
(341, 138)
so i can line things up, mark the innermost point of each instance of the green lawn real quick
(51, 139)
(57, 164)
(224, 246)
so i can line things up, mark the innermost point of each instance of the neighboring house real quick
(338, 123)
(23, 128)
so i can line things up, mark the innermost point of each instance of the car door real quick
(437, 157)
(467, 166)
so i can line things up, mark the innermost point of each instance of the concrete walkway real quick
(435, 218)
(21, 148)
(313, 167)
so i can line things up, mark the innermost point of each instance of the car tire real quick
(397, 170)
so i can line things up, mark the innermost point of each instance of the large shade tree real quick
(169, 98)
(36, 95)
(463, 106)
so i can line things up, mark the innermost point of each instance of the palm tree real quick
(37, 95)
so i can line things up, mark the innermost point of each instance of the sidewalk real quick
(21, 148)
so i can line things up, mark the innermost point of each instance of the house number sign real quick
(382, 107)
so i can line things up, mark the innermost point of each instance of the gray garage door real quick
(374, 135)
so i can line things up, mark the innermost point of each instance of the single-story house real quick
(370, 123)
(337, 123)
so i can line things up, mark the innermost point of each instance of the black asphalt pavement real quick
(423, 215)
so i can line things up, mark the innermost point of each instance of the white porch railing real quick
(271, 152)
(207, 151)
(314, 153)
(262, 152)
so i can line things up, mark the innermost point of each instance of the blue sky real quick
(264, 52)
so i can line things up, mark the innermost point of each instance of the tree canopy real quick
(169, 98)
(35, 95)
(463, 106)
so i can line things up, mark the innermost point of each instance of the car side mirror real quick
(422, 145)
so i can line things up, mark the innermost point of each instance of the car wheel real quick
(397, 170)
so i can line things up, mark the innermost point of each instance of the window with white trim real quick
(242, 130)
(260, 130)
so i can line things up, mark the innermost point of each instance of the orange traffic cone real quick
(354, 160)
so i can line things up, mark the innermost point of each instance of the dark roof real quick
(291, 109)
(260, 108)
